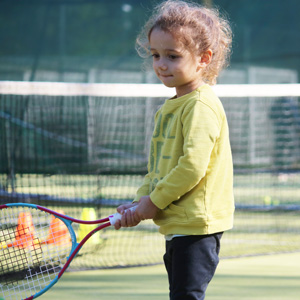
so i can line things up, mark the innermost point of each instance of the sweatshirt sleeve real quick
(200, 129)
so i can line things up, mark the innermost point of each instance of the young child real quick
(188, 189)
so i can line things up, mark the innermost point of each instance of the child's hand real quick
(128, 219)
(146, 209)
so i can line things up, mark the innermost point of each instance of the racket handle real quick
(117, 216)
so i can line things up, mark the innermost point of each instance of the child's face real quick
(173, 64)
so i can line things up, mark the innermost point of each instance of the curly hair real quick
(197, 27)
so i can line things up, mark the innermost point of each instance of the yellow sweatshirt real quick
(190, 172)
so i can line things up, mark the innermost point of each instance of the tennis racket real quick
(36, 247)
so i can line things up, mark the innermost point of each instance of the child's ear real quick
(205, 58)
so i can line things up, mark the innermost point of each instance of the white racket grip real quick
(117, 216)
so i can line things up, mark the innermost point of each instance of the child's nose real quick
(162, 65)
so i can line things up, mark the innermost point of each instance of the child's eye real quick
(172, 57)
(155, 55)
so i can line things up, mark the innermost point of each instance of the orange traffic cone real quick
(25, 233)
(58, 232)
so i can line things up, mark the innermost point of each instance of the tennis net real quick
(83, 148)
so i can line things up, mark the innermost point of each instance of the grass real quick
(274, 277)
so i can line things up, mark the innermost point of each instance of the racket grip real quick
(117, 216)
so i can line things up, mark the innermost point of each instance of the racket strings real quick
(32, 251)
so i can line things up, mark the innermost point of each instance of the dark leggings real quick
(191, 262)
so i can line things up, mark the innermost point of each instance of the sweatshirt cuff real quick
(158, 199)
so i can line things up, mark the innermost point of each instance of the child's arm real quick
(201, 129)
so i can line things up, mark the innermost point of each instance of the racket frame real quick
(67, 220)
